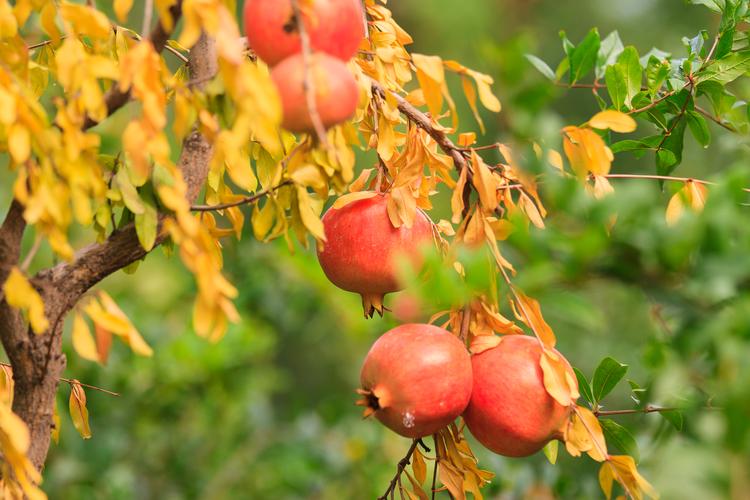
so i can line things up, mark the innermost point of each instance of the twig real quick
(70, 381)
(435, 469)
(465, 322)
(243, 201)
(715, 119)
(400, 469)
(309, 79)
(32, 252)
(646, 409)
(595, 85)
(148, 9)
(652, 103)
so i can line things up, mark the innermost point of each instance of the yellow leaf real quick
(83, 342)
(586, 151)
(86, 20)
(583, 433)
(78, 411)
(557, 380)
(19, 143)
(418, 466)
(431, 77)
(122, 8)
(625, 472)
(606, 478)
(56, 424)
(692, 194)
(531, 314)
(344, 200)
(310, 218)
(6, 385)
(457, 198)
(616, 121)
(131, 336)
(484, 182)
(20, 294)
(481, 343)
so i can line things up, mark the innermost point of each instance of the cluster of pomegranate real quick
(335, 29)
(418, 378)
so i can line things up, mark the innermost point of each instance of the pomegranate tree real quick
(334, 26)
(416, 379)
(511, 412)
(362, 248)
(336, 91)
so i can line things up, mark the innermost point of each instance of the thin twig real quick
(309, 78)
(715, 119)
(243, 201)
(70, 381)
(148, 10)
(646, 409)
(32, 252)
(400, 469)
(465, 322)
(595, 85)
(652, 104)
(435, 469)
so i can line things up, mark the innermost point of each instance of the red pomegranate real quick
(416, 379)
(335, 27)
(336, 91)
(362, 248)
(510, 411)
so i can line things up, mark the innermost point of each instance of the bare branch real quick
(244, 201)
(400, 469)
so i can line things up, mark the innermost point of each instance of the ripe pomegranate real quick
(510, 411)
(336, 91)
(362, 248)
(416, 379)
(334, 26)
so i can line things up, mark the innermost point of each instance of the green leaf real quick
(583, 386)
(670, 153)
(610, 48)
(583, 57)
(129, 194)
(699, 128)
(616, 86)
(620, 437)
(635, 391)
(550, 451)
(606, 376)
(146, 223)
(674, 417)
(541, 66)
(657, 72)
(726, 69)
(647, 143)
(630, 68)
(715, 5)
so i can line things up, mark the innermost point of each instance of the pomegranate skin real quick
(417, 379)
(362, 248)
(510, 411)
(334, 26)
(336, 91)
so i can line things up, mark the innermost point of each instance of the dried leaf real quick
(557, 380)
(78, 411)
(481, 343)
(344, 200)
(531, 314)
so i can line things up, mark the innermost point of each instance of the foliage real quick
(513, 220)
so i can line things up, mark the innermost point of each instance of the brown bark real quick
(38, 360)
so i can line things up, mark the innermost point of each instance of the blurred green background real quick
(268, 412)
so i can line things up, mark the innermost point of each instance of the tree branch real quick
(400, 469)
(97, 261)
(115, 98)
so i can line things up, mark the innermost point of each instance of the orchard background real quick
(268, 411)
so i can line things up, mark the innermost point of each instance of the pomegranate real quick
(416, 379)
(510, 411)
(336, 91)
(334, 26)
(362, 248)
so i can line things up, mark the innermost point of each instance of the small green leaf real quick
(647, 143)
(550, 451)
(129, 194)
(674, 417)
(726, 69)
(583, 57)
(610, 48)
(714, 5)
(699, 128)
(630, 68)
(583, 386)
(606, 376)
(620, 437)
(657, 72)
(146, 225)
(616, 86)
(635, 391)
(541, 66)
(670, 153)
